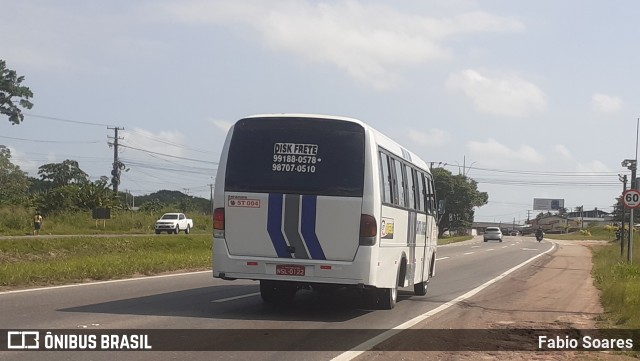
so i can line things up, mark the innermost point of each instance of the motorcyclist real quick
(539, 233)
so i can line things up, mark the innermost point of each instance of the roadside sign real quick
(631, 198)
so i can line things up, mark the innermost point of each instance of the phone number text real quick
(300, 168)
(302, 159)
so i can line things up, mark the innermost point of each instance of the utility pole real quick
(634, 185)
(633, 223)
(117, 165)
(623, 179)
(632, 165)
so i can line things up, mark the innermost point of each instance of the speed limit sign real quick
(631, 198)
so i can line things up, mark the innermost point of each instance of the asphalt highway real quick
(198, 301)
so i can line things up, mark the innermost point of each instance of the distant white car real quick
(492, 233)
(174, 223)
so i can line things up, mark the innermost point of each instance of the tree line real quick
(64, 187)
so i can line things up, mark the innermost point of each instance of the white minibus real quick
(313, 201)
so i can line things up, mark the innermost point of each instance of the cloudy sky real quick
(532, 99)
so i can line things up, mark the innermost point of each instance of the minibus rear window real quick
(296, 156)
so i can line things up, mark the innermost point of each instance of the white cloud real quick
(594, 166)
(506, 95)
(370, 42)
(51, 157)
(431, 137)
(23, 161)
(492, 153)
(223, 125)
(56, 37)
(162, 142)
(563, 151)
(606, 103)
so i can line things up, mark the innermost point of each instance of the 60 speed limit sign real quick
(631, 198)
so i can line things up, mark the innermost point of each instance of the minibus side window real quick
(411, 189)
(431, 197)
(386, 178)
(420, 195)
(400, 184)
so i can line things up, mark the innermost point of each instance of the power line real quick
(160, 140)
(67, 120)
(535, 173)
(152, 167)
(171, 162)
(157, 139)
(544, 183)
(168, 155)
(51, 141)
(552, 178)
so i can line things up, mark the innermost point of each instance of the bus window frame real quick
(419, 177)
(418, 173)
(411, 190)
(401, 188)
(384, 166)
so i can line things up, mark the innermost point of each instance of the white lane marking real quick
(369, 344)
(438, 259)
(236, 297)
(475, 246)
(490, 249)
(101, 282)
(505, 246)
(464, 254)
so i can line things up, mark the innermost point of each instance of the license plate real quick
(289, 270)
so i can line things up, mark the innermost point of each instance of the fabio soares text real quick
(584, 343)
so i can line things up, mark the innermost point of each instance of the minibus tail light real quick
(368, 230)
(218, 223)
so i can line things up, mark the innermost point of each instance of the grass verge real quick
(619, 283)
(447, 240)
(591, 233)
(51, 261)
(18, 221)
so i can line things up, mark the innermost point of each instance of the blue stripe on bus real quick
(274, 225)
(308, 227)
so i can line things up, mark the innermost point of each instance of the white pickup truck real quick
(174, 222)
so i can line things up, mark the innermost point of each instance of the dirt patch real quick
(554, 292)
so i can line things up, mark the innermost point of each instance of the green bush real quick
(16, 221)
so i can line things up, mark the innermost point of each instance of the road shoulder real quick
(555, 291)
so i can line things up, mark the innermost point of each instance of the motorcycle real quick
(539, 237)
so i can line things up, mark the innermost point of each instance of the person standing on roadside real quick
(37, 224)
